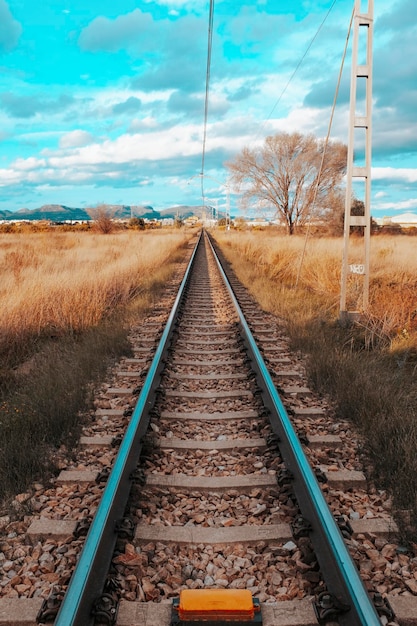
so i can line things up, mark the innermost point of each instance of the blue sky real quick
(103, 101)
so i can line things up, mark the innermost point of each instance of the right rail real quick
(339, 571)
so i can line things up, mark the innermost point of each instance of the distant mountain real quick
(62, 213)
(122, 211)
(181, 211)
(52, 212)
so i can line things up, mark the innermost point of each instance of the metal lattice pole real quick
(355, 271)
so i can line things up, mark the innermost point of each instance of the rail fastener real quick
(105, 608)
(82, 527)
(383, 607)
(125, 528)
(50, 607)
(328, 607)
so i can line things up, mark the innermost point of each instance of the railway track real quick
(210, 486)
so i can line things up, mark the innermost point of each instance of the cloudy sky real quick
(103, 101)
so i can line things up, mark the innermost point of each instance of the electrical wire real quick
(326, 143)
(297, 68)
(207, 95)
(207, 89)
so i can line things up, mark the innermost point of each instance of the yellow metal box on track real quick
(216, 606)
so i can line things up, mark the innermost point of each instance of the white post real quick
(227, 207)
(363, 23)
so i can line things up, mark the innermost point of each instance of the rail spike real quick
(327, 607)
(383, 607)
(105, 609)
(106, 606)
(125, 528)
(285, 477)
(301, 527)
(49, 609)
(344, 526)
(82, 527)
(103, 475)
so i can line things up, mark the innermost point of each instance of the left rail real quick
(88, 579)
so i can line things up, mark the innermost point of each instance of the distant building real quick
(191, 220)
(257, 222)
(406, 220)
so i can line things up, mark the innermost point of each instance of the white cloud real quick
(302, 120)
(401, 174)
(32, 163)
(75, 139)
(137, 125)
(404, 205)
(9, 176)
(80, 159)
(43, 135)
(406, 217)
(111, 35)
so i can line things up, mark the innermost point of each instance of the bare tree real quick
(334, 215)
(283, 175)
(137, 223)
(102, 215)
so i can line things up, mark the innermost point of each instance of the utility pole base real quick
(349, 318)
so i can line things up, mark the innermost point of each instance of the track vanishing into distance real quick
(195, 473)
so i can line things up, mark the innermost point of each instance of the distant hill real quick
(182, 211)
(52, 212)
(125, 211)
(61, 213)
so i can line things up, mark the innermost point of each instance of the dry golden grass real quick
(315, 266)
(57, 283)
(67, 299)
(368, 370)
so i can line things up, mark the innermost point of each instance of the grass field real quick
(369, 369)
(55, 284)
(67, 299)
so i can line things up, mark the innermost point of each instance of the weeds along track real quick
(212, 502)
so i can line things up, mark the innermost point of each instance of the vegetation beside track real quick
(68, 300)
(369, 370)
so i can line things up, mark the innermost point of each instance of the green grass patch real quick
(46, 408)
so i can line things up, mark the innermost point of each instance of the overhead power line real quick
(207, 96)
(300, 62)
(326, 143)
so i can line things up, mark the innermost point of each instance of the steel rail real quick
(337, 566)
(88, 579)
